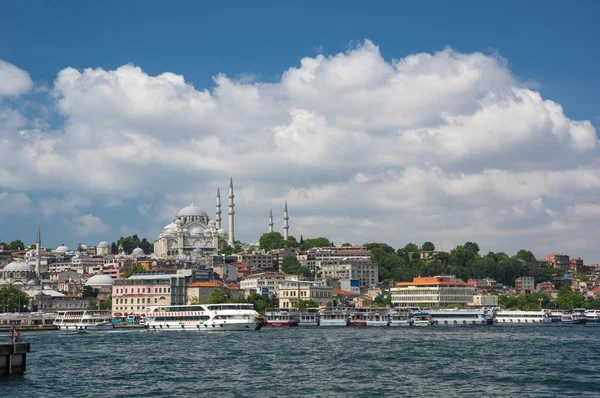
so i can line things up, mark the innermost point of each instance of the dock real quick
(13, 358)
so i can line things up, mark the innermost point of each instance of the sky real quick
(392, 122)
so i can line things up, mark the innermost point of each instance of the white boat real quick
(575, 317)
(556, 315)
(209, 317)
(282, 317)
(421, 319)
(333, 317)
(458, 317)
(84, 320)
(592, 316)
(522, 317)
(310, 317)
(377, 318)
(400, 318)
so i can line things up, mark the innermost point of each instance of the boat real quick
(522, 317)
(556, 315)
(481, 316)
(209, 317)
(377, 318)
(333, 317)
(285, 317)
(400, 318)
(592, 316)
(357, 318)
(574, 317)
(309, 317)
(84, 320)
(421, 319)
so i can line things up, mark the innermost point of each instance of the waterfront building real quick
(200, 292)
(291, 292)
(192, 231)
(313, 257)
(524, 284)
(432, 292)
(354, 268)
(257, 283)
(48, 300)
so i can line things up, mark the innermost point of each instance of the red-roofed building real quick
(432, 292)
(576, 265)
(200, 291)
(557, 260)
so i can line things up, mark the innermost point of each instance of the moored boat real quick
(285, 317)
(575, 317)
(421, 319)
(84, 320)
(333, 317)
(377, 318)
(506, 317)
(592, 316)
(309, 317)
(556, 315)
(400, 318)
(209, 317)
(357, 318)
(458, 317)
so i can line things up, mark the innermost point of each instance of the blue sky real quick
(550, 47)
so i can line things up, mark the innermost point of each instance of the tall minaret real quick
(231, 213)
(286, 225)
(270, 220)
(218, 219)
(38, 254)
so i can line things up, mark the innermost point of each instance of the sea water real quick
(472, 361)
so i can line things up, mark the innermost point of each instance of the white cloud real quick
(70, 204)
(445, 147)
(14, 203)
(13, 81)
(88, 225)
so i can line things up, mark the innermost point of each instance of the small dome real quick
(100, 280)
(222, 232)
(18, 266)
(197, 251)
(186, 231)
(207, 233)
(83, 247)
(103, 245)
(62, 249)
(191, 211)
(138, 252)
(211, 222)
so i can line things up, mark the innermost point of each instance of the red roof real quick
(203, 284)
(340, 292)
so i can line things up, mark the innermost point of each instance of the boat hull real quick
(281, 324)
(89, 327)
(208, 326)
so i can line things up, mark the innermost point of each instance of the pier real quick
(13, 358)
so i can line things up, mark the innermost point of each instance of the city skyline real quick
(369, 134)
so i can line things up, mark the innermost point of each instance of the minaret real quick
(218, 219)
(38, 254)
(286, 225)
(231, 213)
(270, 220)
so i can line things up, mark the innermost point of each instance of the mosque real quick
(193, 232)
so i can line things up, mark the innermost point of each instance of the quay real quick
(13, 356)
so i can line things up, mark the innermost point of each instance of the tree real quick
(251, 250)
(384, 246)
(106, 304)
(315, 242)
(290, 264)
(89, 291)
(12, 299)
(568, 299)
(129, 243)
(428, 247)
(133, 269)
(237, 248)
(197, 300)
(113, 248)
(301, 305)
(4, 245)
(218, 296)
(16, 245)
(226, 250)
(271, 241)
(346, 244)
(146, 246)
(526, 256)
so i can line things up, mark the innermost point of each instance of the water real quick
(552, 360)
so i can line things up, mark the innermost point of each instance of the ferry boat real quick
(556, 315)
(333, 317)
(400, 318)
(592, 316)
(377, 318)
(481, 316)
(575, 317)
(282, 317)
(310, 317)
(421, 319)
(84, 320)
(522, 317)
(357, 318)
(208, 317)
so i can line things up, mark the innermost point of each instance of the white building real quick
(363, 270)
(432, 292)
(484, 300)
(291, 292)
(270, 280)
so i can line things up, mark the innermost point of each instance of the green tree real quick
(129, 243)
(106, 304)
(89, 291)
(146, 246)
(346, 244)
(568, 299)
(133, 269)
(12, 299)
(237, 248)
(526, 256)
(271, 241)
(4, 245)
(315, 242)
(383, 246)
(114, 249)
(16, 245)
(197, 300)
(218, 296)
(226, 250)
(301, 305)
(428, 247)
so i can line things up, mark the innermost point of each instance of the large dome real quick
(138, 252)
(103, 245)
(18, 266)
(100, 280)
(62, 249)
(191, 211)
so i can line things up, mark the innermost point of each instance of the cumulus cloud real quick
(445, 147)
(13, 81)
(88, 225)
(14, 203)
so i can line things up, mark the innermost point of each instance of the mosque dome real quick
(18, 266)
(191, 211)
(195, 231)
(170, 226)
(211, 222)
(197, 251)
(103, 245)
(138, 252)
(100, 280)
(222, 232)
(62, 249)
(207, 233)
(83, 247)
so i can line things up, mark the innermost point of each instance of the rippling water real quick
(553, 360)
